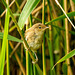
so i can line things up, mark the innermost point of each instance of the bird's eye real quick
(39, 27)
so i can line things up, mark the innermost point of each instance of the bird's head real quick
(39, 27)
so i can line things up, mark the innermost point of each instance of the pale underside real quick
(34, 40)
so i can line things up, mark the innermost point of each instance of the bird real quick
(34, 37)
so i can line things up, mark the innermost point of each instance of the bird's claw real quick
(36, 60)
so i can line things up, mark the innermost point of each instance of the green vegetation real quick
(56, 55)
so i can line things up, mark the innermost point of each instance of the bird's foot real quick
(27, 49)
(36, 60)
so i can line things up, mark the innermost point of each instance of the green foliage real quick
(11, 38)
(28, 8)
(2, 54)
(7, 57)
(61, 17)
(73, 1)
(67, 56)
(64, 68)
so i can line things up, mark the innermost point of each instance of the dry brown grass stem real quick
(39, 8)
(47, 60)
(22, 53)
(9, 6)
(19, 62)
(1, 25)
(17, 58)
(14, 50)
(69, 71)
(72, 7)
(37, 13)
(21, 6)
(54, 11)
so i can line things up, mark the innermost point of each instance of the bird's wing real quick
(29, 35)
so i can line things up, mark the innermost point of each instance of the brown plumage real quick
(34, 36)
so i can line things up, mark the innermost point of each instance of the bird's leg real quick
(26, 47)
(36, 59)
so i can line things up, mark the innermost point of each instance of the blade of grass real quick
(65, 13)
(67, 47)
(37, 19)
(69, 55)
(28, 8)
(31, 70)
(7, 57)
(12, 28)
(39, 70)
(9, 37)
(51, 55)
(2, 54)
(43, 44)
(61, 17)
(17, 5)
(27, 55)
(7, 51)
(30, 20)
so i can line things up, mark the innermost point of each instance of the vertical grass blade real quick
(52, 72)
(2, 54)
(7, 57)
(27, 63)
(27, 56)
(43, 44)
(31, 70)
(34, 68)
(69, 71)
(49, 40)
(39, 70)
(30, 20)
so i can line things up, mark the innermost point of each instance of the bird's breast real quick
(34, 42)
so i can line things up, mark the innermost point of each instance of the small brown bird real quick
(34, 36)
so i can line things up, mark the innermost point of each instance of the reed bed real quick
(57, 53)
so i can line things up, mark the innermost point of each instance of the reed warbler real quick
(34, 37)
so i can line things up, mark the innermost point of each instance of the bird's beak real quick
(46, 28)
